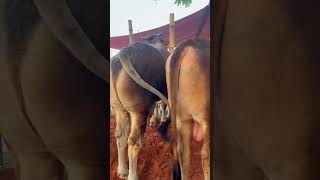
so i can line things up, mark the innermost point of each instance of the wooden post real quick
(131, 40)
(171, 34)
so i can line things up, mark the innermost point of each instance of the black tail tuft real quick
(163, 130)
(176, 171)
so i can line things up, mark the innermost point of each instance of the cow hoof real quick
(153, 124)
(123, 173)
(122, 176)
(132, 177)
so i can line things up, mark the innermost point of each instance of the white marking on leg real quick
(122, 136)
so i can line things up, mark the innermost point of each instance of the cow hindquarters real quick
(300, 167)
(82, 170)
(230, 161)
(66, 105)
(40, 165)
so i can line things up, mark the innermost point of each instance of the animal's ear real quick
(148, 38)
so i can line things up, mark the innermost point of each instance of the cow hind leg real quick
(300, 167)
(229, 160)
(205, 151)
(40, 166)
(85, 170)
(134, 142)
(184, 132)
(121, 134)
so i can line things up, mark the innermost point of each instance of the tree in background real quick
(185, 3)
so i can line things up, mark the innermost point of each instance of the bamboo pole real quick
(171, 34)
(131, 40)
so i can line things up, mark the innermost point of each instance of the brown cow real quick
(129, 99)
(52, 109)
(188, 82)
(267, 57)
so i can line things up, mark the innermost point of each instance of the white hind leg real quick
(134, 142)
(121, 133)
(205, 151)
(184, 132)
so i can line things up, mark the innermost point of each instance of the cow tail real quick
(163, 130)
(174, 73)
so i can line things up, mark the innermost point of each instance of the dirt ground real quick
(155, 157)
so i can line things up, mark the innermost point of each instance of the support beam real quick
(171, 34)
(131, 40)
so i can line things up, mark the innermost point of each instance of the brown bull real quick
(132, 70)
(188, 82)
(267, 123)
(52, 109)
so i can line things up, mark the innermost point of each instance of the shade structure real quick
(185, 28)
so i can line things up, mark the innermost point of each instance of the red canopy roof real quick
(185, 28)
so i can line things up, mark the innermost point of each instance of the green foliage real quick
(186, 3)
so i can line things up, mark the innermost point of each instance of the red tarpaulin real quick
(185, 28)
